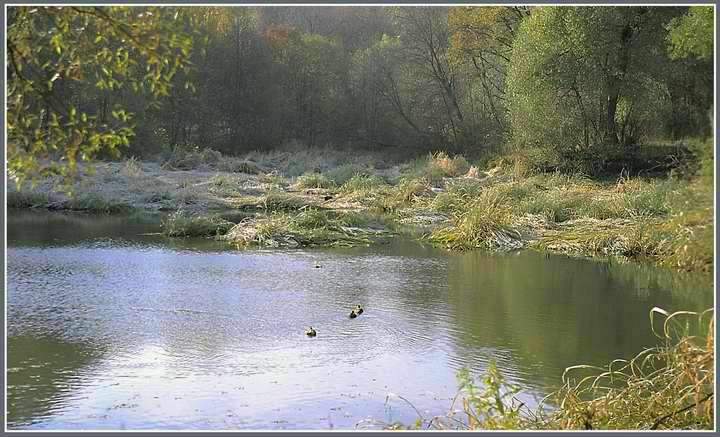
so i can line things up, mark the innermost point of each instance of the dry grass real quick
(310, 227)
(665, 387)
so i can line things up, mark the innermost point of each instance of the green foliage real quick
(692, 34)
(583, 81)
(493, 404)
(55, 54)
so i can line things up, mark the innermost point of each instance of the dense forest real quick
(566, 86)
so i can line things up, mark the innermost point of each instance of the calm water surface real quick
(111, 328)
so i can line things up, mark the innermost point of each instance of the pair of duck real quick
(311, 332)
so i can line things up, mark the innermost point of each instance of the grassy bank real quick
(668, 387)
(301, 197)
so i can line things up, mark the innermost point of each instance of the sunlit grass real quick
(314, 180)
(310, 227)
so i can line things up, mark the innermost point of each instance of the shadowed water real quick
(112, 328)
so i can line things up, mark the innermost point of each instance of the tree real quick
(483, 37)
(387, 117)
(691, 77)
(692, 34)
(53, 52)
(583, 77)
(424, 35)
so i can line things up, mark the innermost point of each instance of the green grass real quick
(96, 203)
(183, 224)
(314, 180)
(27, 199)
(487, 223)
(345, 172)
(405, 192)
(282, 201)
(363, 184)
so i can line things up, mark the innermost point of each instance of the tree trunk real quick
(611, 127)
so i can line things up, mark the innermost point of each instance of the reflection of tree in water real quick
(552, 313)
(693, 291)
(42, 373)
(40, 228)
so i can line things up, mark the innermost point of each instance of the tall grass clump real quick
(183, 224)
(282, 201)
(132, 167)
(345, 172)
(310, 227)
(458, 194)
(96, 203)
(486, 224)
(314, 180)
(688, 241)
(27, 199)
(191, 157)
(361, 183)
(405, 192)
(437, 166)
(670, 386)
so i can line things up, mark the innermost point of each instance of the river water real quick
(111, 328)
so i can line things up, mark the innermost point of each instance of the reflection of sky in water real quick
(133, 333)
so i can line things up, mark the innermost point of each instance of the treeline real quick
(559, 84)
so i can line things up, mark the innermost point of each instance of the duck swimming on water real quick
(310, 332)
(356, 311)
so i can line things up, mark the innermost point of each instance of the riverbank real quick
(281, 200)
